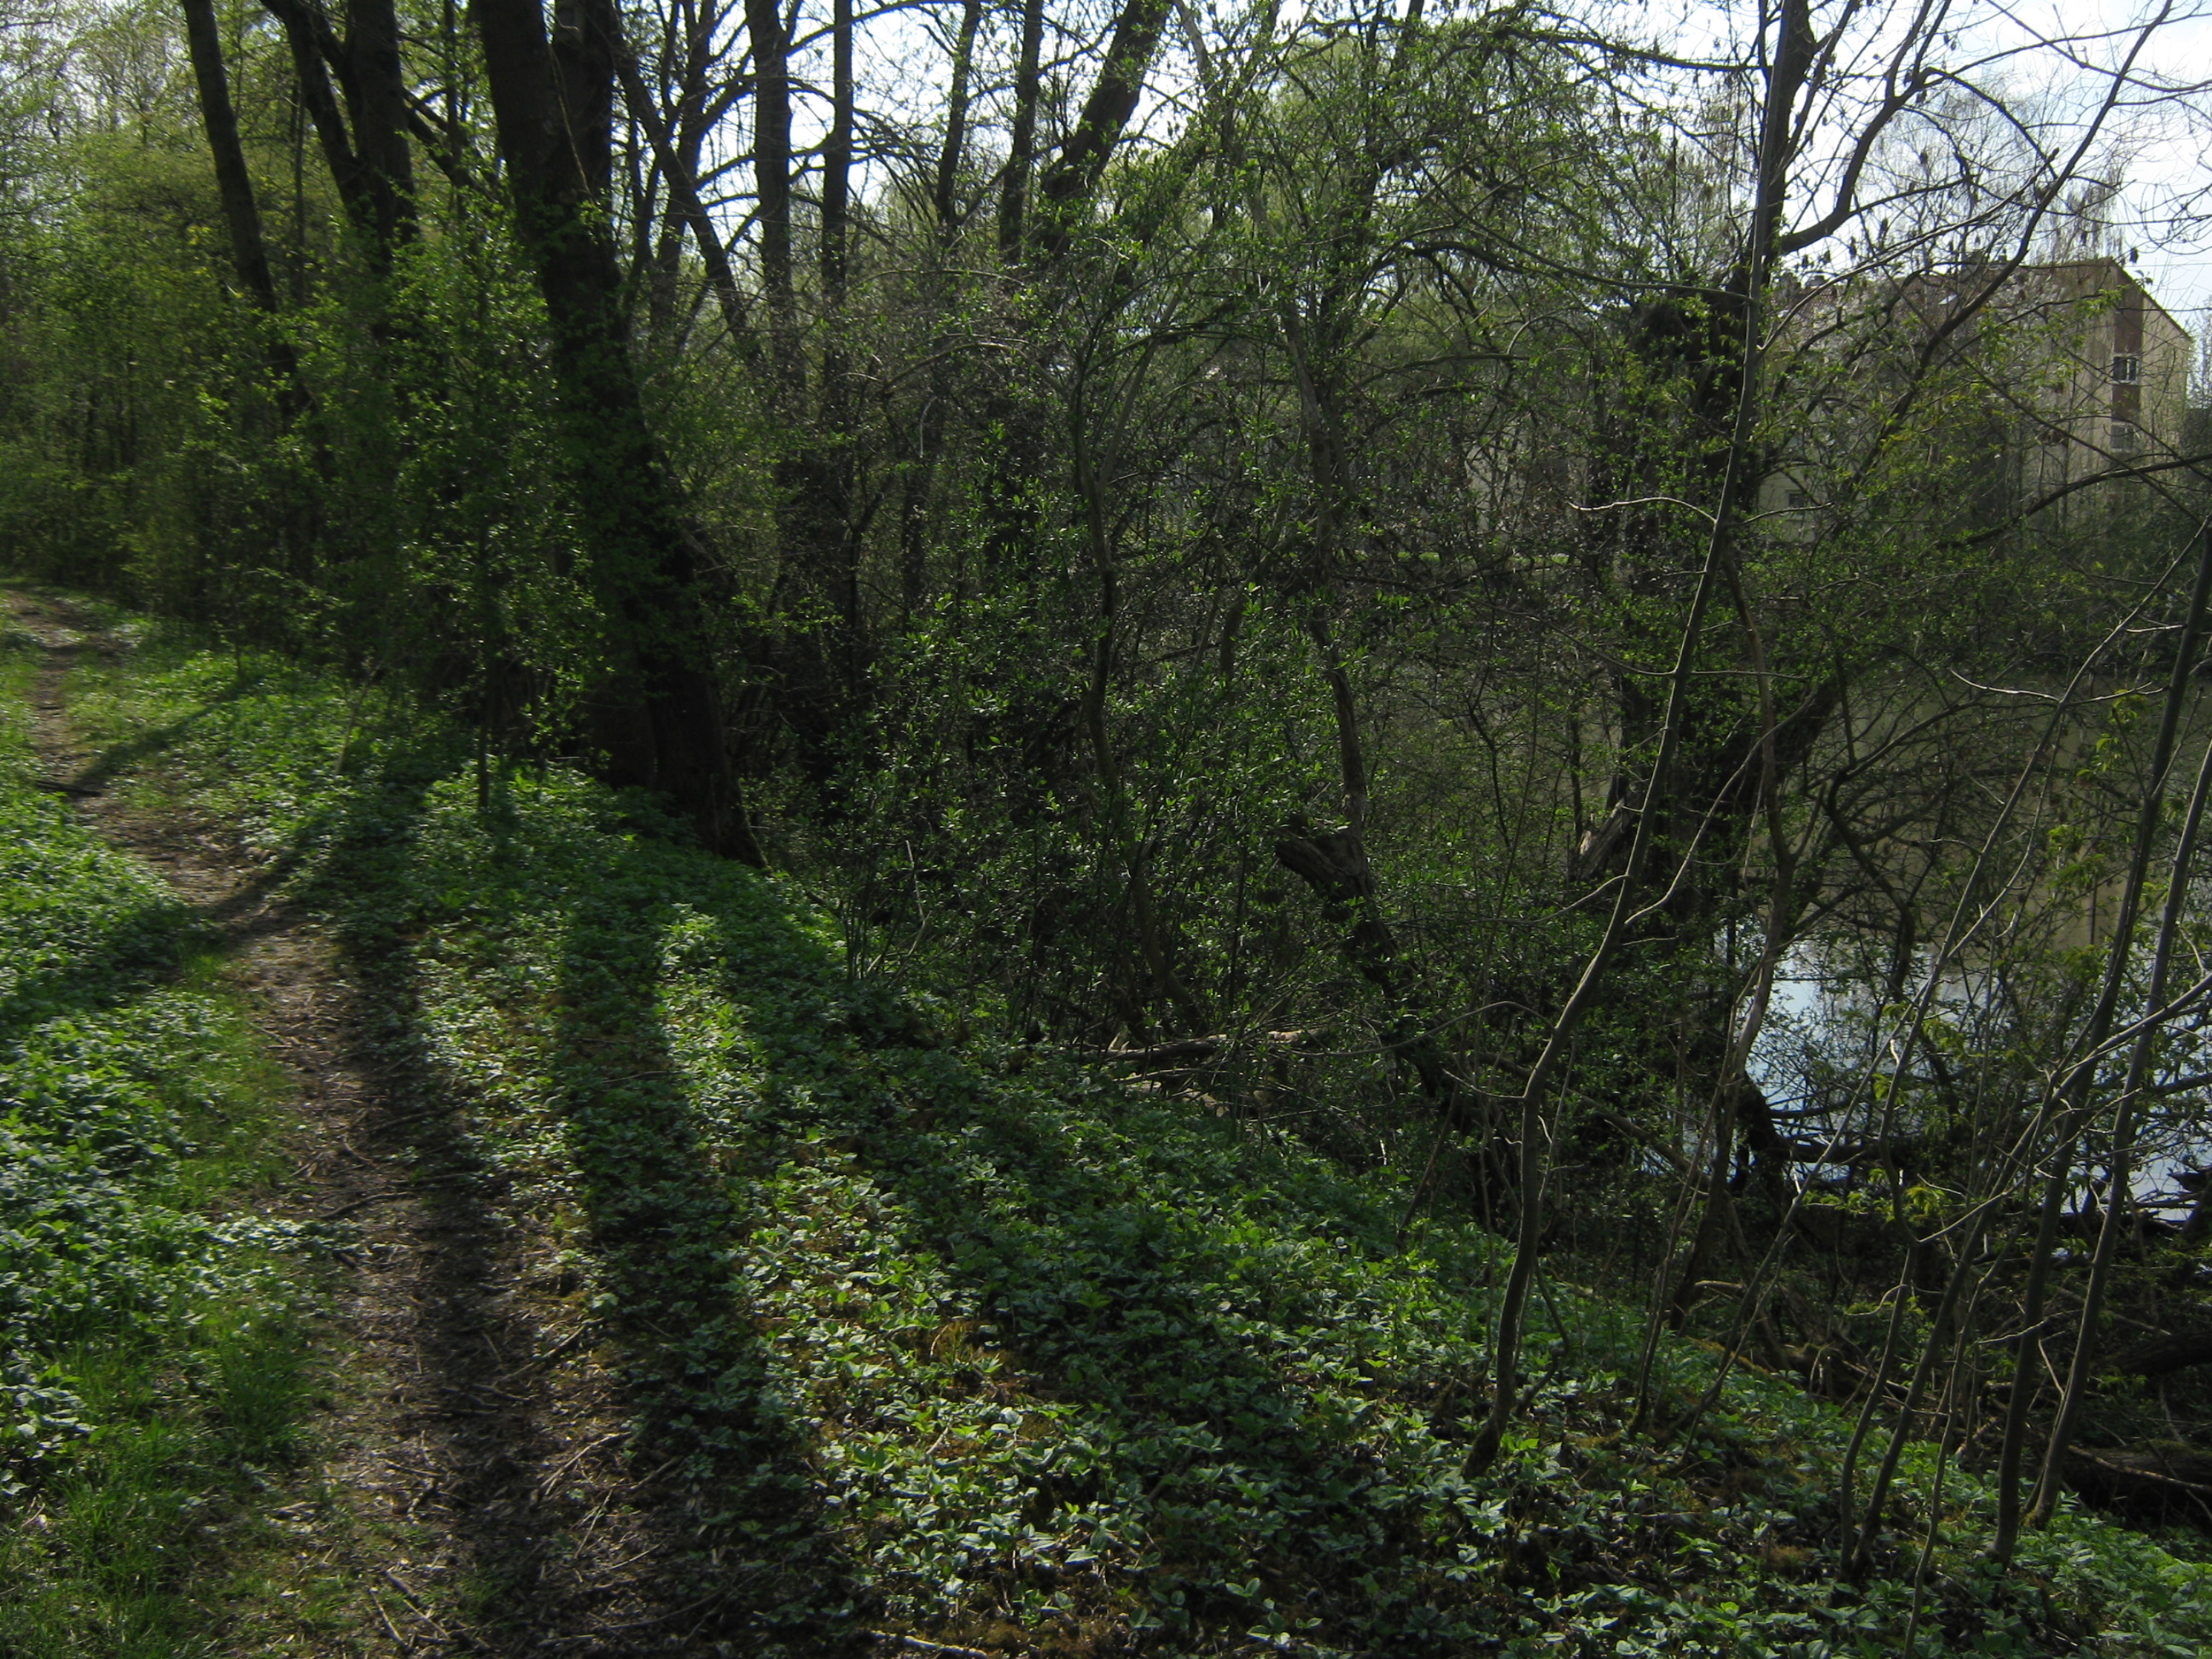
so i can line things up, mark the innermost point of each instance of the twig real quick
(394, 1119)
(408, 1596)
(561, 1347)
(573, 1457)
(345, 1210)
(704, 1603)
(390, 1629)
(2149, 1477)
(920, 1646)
(652, 1474)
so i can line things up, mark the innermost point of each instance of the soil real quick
(470, 1491)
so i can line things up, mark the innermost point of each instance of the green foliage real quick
(955, 1336)
(151, 1341)
(1337, 471)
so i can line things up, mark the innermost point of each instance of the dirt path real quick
(472, 1493)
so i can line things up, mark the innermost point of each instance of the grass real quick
(151, 1326)
(949, 1337)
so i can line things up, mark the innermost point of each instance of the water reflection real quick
(1826, 1059)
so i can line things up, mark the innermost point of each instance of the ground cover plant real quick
(1469, 588)
(955, 1337)
(151, 1324)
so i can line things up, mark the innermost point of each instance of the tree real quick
(552, 102)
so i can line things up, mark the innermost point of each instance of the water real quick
(1818, 1051)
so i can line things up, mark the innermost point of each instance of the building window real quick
(2127, 369)
(2123, 437)
(1798, 500)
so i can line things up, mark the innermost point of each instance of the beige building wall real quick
(2120, 391)
(2102, 379)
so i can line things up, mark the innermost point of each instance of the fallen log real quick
(1189, 1051)
(2160, 1356)
(2155, 1483)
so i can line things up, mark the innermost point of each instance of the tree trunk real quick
(772, 177)
(368, 157)
(2118, 1205)
(1021, 144)
(1069, 182)
(377, 92)
(2073, 1098)
(1792, 58)
(249, 254)
(1122, 830)
(837, 157)
(249, 250)
(684, 193)
(643, 565)
(956, 121)
(828, 484)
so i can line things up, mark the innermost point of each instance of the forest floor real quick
(466, 1490)
(673, 1282)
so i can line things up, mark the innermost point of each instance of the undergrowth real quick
(150, 1333)
(953, 1338)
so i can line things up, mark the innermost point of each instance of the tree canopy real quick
(1610, 621)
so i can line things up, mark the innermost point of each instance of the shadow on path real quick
(621, 1480)
(693, 1534)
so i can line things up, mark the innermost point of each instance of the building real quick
(2118, 389)
(2079, 370)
